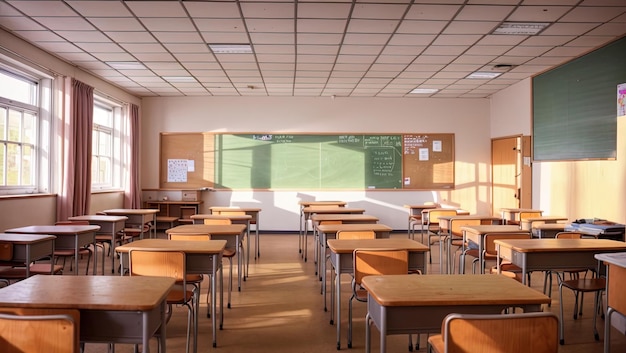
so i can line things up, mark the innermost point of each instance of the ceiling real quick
(336, 48)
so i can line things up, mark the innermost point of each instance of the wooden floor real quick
(280, 309)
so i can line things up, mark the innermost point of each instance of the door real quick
(511, 173)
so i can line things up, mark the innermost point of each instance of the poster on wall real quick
(177, 170)
(621, 99)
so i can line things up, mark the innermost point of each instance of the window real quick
(19, 121)
(104, 164)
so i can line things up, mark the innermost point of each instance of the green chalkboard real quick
(292, 161)
(575, 106)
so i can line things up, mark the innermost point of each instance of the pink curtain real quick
(132, 192)
(76, 135)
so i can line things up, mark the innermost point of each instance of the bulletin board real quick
(428, 161)
(307, 161)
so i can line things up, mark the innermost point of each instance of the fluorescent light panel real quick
(521, 28)
(230, 48)
(126, 65)
(483, 75)
(424, 90)
(178, 79)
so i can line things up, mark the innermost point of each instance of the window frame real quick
(115, 132)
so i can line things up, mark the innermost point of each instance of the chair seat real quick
(35, 269)
(586, 284)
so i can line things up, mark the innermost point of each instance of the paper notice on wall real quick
(177, 170)
(191, 165)
(437, 146)
(423, 154)
(621, 99)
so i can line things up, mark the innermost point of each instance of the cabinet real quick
(173, 212)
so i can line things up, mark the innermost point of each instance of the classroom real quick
(584, 187)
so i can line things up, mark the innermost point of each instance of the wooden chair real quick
(368, 262)
(497, 333)
(579, 286)
(455, 238)
(38, 333)
(168, 264)
(430, 226)
(11, 270)
(229, 253)
(489, 248)
(71, 253)
(195, 279)
(573, 273)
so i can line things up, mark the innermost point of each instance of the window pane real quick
(17, 89)
(27, 165)
(105, 171)
(13, 164)
(29, 128)
(3, 122)
(102, 116)
(15, 122)
(104, 144)
(2, 162)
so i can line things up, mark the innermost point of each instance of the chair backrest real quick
(6, 251)
(356, 234)
(38, 333)
(231, 213)
(217, 221)
(331, 222)
(434, 214)
(568, 235)
(524, 215)
(456, 224)
(490, 238)
(67, 223)
(189, 236)
(497, 333)
(158, 264)
(369, 262)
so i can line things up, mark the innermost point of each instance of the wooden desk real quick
(401, 304)
(529, 223)
(415, 216)
(232, 233)
(513, 214)
(547, 230)
(30, 247)
(477, 235)
(108, 224)
(555, 254)
(343, 218)
(615, 282)
(104, 316)
(137, 216)
(450, 227)
(303, 219)
(341, 251)
(68, 237)
(329, 231)
(201, 257)
(234, 219)
(310, 211)
(251, 211)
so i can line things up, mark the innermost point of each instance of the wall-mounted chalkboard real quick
(575, 106)
(305, 161)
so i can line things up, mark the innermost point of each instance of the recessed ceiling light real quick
(521, 28)
(484, 75)
(179, 79)
(126, 65)
(424, 90)
(230, 48)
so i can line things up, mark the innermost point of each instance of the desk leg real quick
(300, 232)
(245, 275)
(383, 330)
(145, 336)
(607, 329)
(214, 300)
(239, 261)
(163, 328)
(338, 302)
(306, 233)
(257, 241)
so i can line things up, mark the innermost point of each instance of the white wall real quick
(579, 189)
(468, 119)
